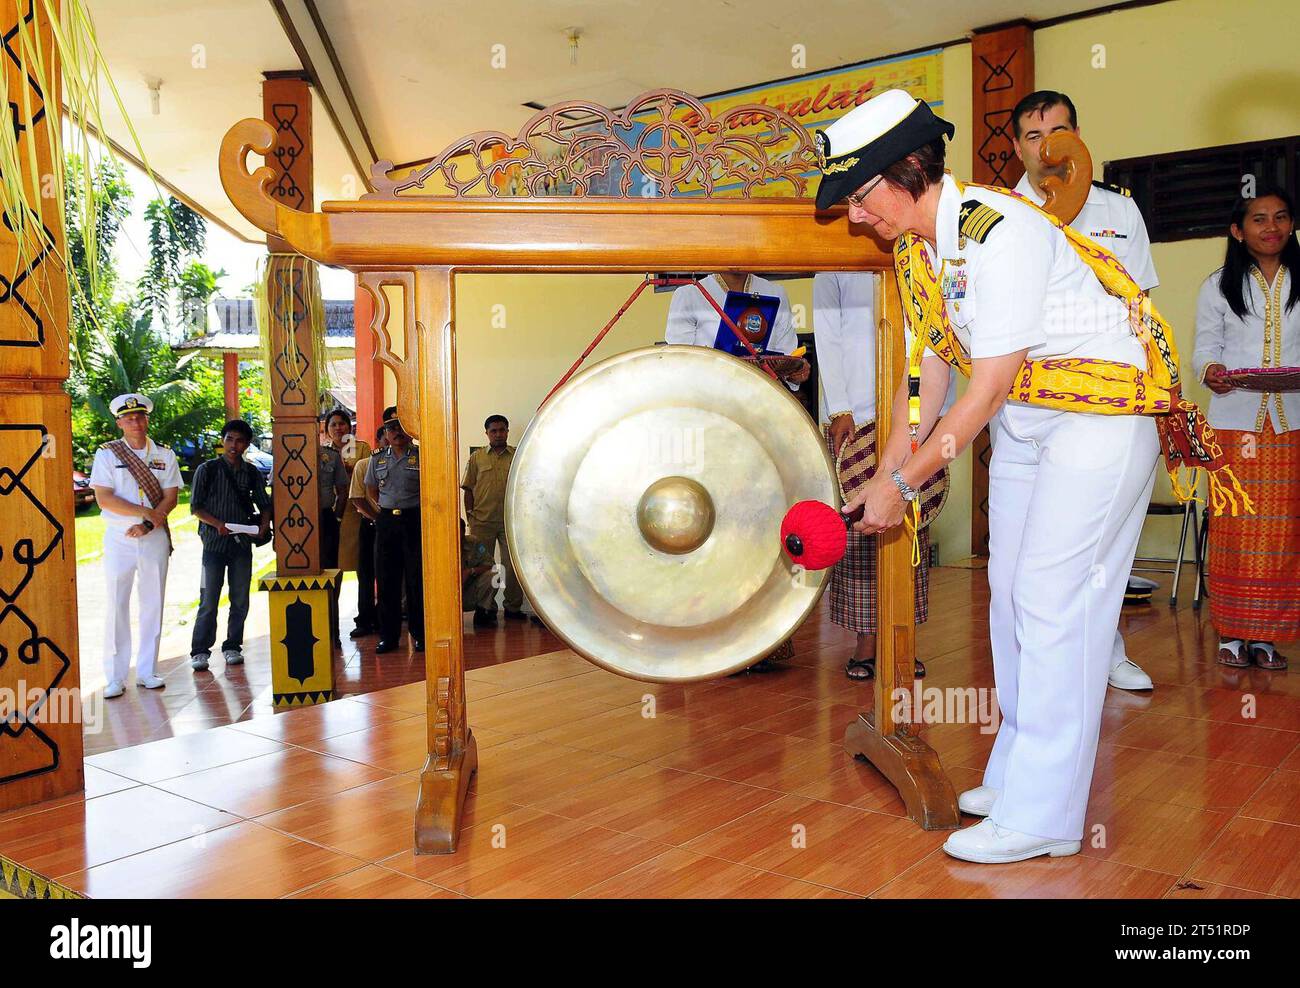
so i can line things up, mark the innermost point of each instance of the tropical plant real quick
(133, 357)
(195, 288)
(177, 237)
(116, 346)
(54, 50)
(110, 204)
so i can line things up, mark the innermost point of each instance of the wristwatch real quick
(909, 493)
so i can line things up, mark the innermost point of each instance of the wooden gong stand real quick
(405, 247)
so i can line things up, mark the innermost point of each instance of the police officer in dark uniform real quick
(393, 482)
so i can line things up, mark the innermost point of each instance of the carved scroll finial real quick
(665, 143)
(250, 191)
(1064, 197)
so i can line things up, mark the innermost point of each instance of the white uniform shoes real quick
(1128, 676)
(987, 843)
(978, 801)
(114, 689)
(151, 682)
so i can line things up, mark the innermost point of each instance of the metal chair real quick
(1174, 566)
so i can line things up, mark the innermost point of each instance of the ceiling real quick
(401, 79)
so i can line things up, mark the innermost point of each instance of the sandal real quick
(1230, 654)
(1264, 655)
(862, 670)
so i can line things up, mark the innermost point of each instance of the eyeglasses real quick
(856, 199)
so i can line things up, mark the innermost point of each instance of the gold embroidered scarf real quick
(1086, 384)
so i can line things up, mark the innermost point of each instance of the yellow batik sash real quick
(1084, 384)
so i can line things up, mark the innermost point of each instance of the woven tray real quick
(1267, 379)
(783, 365)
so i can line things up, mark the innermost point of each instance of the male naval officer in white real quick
(136, 542)
(1067, 490)
(1109, 217)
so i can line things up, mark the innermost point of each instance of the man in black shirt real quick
(225, 492)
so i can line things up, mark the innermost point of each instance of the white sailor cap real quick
(127, 403)
(868, 139)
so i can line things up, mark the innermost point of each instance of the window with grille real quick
(1186, 195)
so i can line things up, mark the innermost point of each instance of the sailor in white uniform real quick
(1111, 218)
(1068, 490)
(137, 543)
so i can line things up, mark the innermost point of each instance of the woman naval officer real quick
(1067, 491)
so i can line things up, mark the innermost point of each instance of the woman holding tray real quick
(1247, 340)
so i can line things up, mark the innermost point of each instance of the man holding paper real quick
(233, 507)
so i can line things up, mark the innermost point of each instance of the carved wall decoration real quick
(1002, 66)
(40, 701)
(662, 144)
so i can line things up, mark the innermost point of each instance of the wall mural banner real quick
(819, 99)
(814, 100)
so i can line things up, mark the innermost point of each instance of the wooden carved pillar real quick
(302, 593)
(881, 736)
(415, 338)
(40, 675)
(453, 754)
(1002, 61)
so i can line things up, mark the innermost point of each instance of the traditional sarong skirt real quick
(1254, 560)
(853, 580)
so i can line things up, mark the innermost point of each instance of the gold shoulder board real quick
(977, 220)
(1111, 187)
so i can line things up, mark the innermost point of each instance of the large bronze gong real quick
(644, 511)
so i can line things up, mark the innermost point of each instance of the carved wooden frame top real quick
(451, 212)
(669, 136)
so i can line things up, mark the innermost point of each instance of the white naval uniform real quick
(1068, 493)
(129, 559)
(1112, 220)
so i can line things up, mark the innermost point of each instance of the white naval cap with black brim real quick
(868, 139)
(130, 402)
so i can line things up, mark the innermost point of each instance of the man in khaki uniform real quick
(485, 505)
(477, 593)
(367, 622)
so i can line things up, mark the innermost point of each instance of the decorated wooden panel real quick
(40, 700)
(33, 290)
(1002, 64)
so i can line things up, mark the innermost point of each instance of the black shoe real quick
(516, 616)
(385, 646)
(419, 645)
(361, 631)
(484, 619)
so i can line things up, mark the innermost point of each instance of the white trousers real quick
(128, 560)
(1068, 493)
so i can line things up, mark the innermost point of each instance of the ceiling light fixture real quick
(573, 34)
(155, 96)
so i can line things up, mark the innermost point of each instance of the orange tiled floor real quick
(198, 701)
(591, 785)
